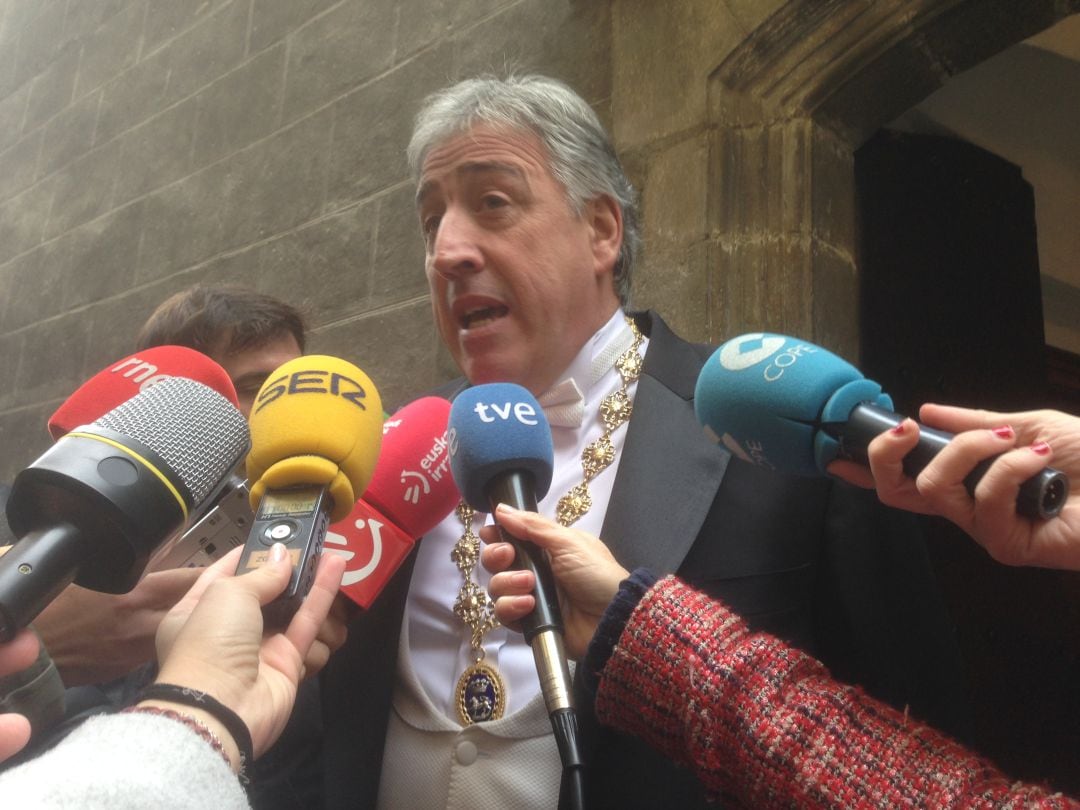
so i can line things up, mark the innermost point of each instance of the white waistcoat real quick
(430, 761)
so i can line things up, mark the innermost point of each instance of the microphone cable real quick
(564, 723)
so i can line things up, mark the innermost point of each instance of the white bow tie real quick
(563, 404)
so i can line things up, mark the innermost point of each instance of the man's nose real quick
(456, 248)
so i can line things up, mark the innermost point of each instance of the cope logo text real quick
(787, 358)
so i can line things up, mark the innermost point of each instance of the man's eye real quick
(490, 201)
(428, 225)
(247, 391)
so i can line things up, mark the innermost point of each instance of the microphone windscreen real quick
(316, 420)
(764, 396)
(120, 381)
(494, 429)
(412, 484)
(198, 433)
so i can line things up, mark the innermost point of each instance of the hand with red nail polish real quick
(1025, 443)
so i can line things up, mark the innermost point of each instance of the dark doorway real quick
(951, 311)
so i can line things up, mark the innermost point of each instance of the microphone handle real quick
(297, 518)
(542, 628)
(1041, 496)
(517, 489)
(34, 571)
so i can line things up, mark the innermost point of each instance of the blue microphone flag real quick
(494, 429)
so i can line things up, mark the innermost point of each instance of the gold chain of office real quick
(480, 693)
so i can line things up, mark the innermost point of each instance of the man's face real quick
(519, 281)
(249, 368)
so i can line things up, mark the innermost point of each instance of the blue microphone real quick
(788, 405)
(500, 452)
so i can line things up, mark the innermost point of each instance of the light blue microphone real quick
(786, 404)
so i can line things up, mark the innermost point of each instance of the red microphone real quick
(411, 491)
(118, 382)
(222, 521)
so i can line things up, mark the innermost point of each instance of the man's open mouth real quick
(475, 318)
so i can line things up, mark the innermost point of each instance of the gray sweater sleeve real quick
(126, 762)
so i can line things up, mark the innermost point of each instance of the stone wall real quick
(149, 144)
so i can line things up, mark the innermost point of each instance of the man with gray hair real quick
(531, 233)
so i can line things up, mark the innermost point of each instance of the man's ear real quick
(606, 226)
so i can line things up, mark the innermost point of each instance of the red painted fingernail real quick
(1042, 448)
(898, 430)
(1003, 432)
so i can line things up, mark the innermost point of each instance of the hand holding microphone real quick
(94, 637)
(213, 641)
(95, 506)
(587, 574)
(220, 676)
(15, 657)
(501, 452)
(1019, 446)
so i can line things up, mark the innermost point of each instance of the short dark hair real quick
(226, 318)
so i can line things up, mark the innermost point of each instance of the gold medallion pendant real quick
(481, 695)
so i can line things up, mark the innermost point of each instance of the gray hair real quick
(580, 152)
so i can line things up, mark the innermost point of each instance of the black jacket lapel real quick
(669, 472)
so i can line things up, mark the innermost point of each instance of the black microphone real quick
(789, 405)
(94, 507)
(501, 452)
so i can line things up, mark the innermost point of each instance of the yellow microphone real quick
(316, 428)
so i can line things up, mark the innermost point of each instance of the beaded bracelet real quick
(186, 696)
(187, 720)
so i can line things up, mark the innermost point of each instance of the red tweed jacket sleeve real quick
(764, 724)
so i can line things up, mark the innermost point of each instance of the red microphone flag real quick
(410, 492)
(120, 381)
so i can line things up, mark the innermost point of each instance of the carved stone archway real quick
(787, 108)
